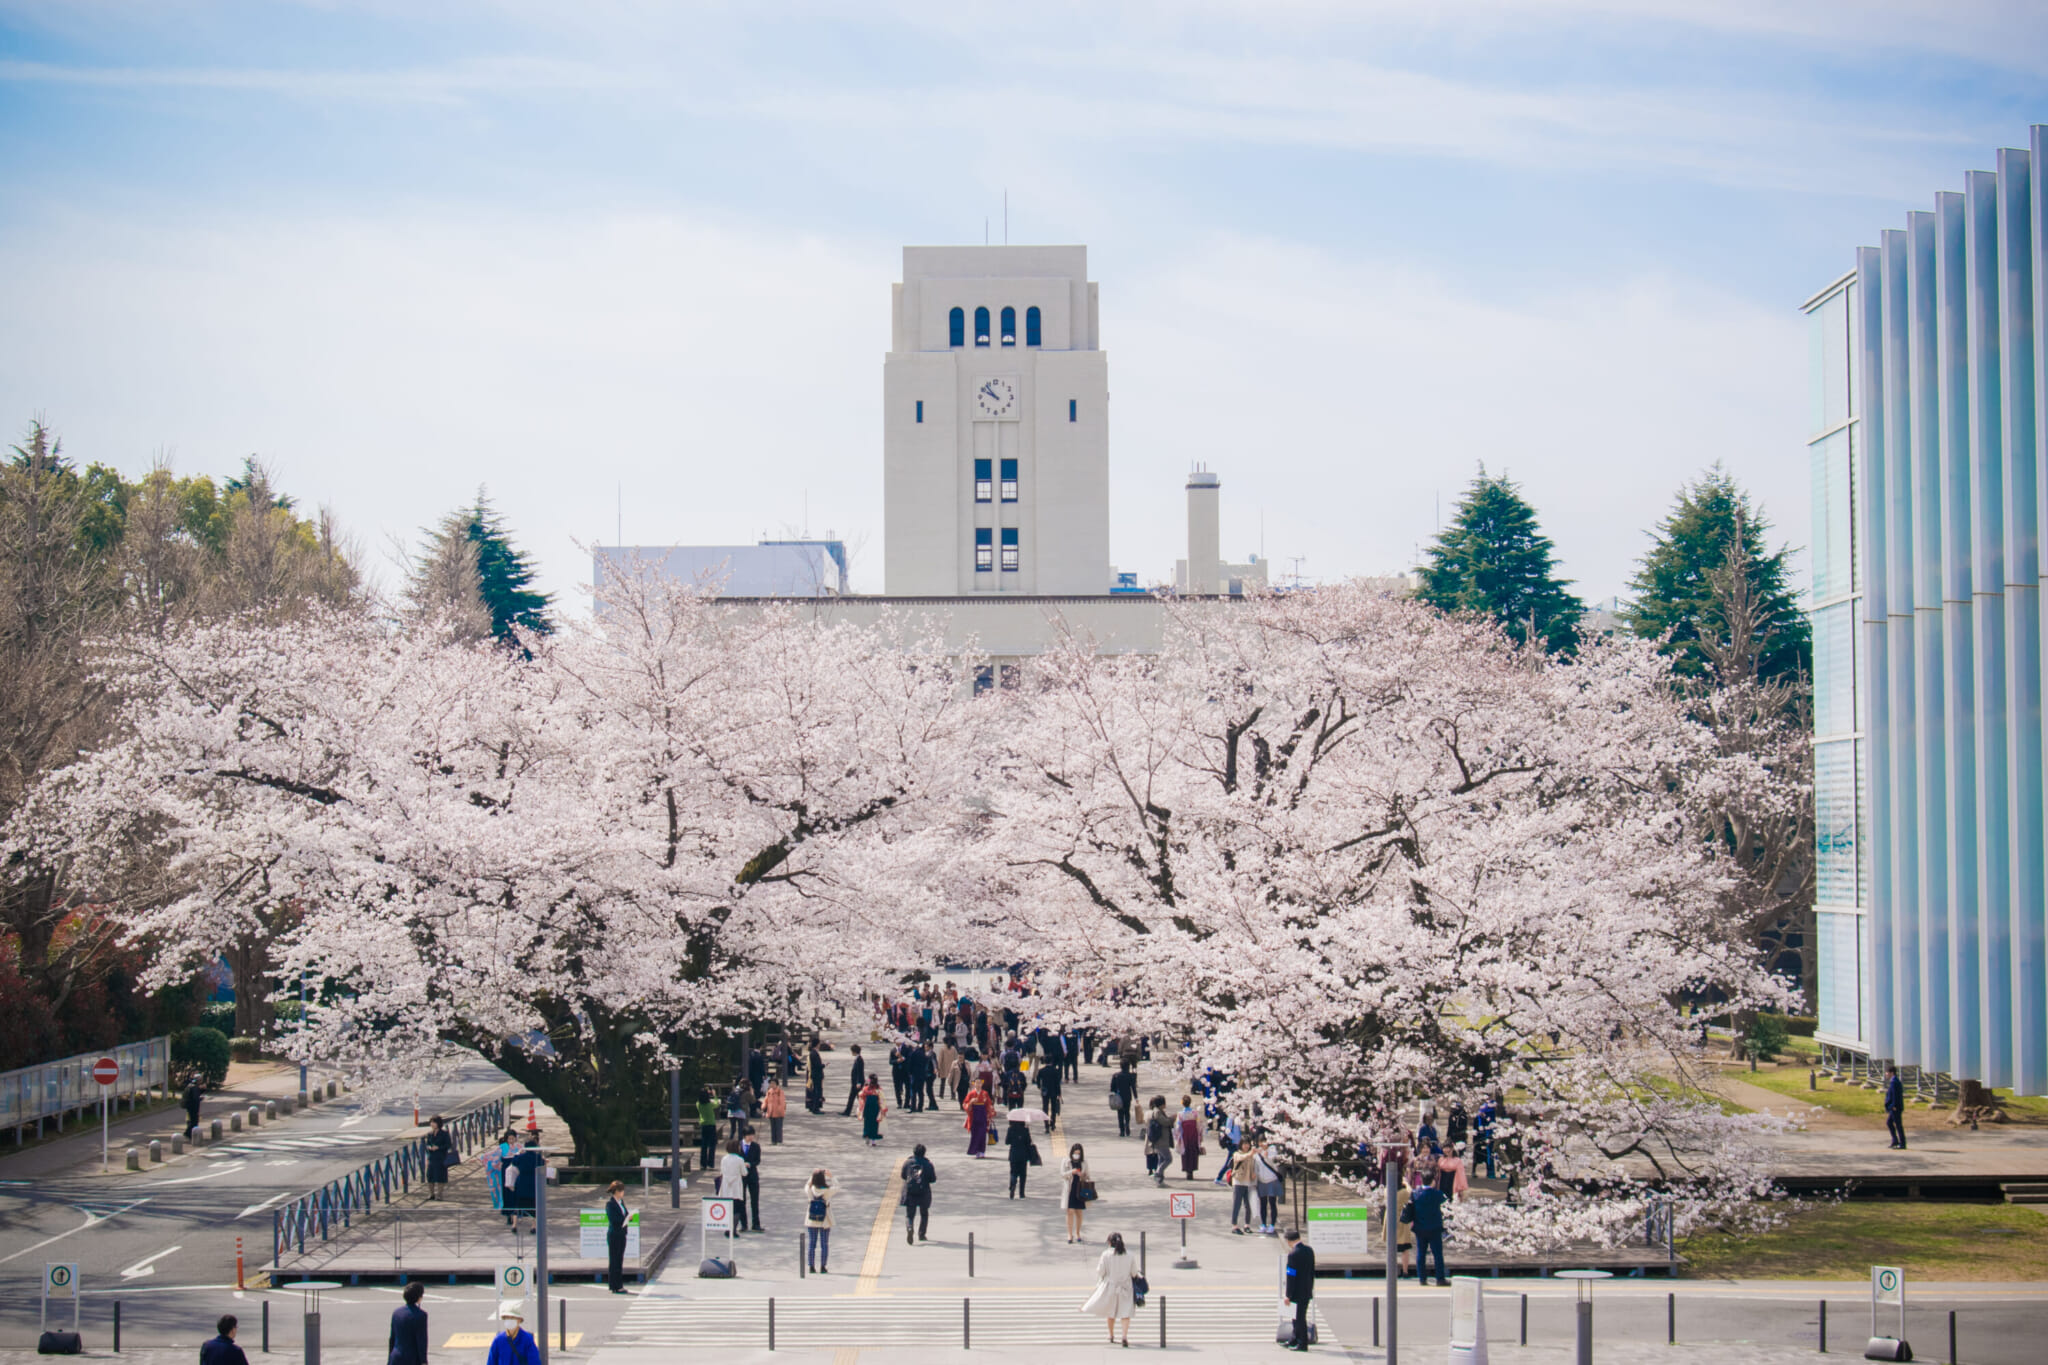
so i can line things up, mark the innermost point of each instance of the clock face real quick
(995, 398)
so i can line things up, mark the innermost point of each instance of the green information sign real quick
(591, 1227)
(1341, 1230)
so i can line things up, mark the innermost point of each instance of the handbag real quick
(1140, 1287)
(1086, 1190)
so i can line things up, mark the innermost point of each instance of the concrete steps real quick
(2030, 1193)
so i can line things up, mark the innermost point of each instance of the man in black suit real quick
(1301, 1285)
(222, 1349)
(617, 1218)
(408, 1344)
(1894, 1106)
(860, 1078)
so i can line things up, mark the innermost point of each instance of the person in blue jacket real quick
(513, 1345)
(222, 1350)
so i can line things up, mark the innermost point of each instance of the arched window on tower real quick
(981, 326)
(1032, 333)
(1009, 327)
(956, 327)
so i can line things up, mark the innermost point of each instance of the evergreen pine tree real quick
(1675, 589)
(1494, 559)
(504, 574)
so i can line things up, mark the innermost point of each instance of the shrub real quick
(1801, 1025)
(204, 1050)
(218, 1014)
(244, 1049)
(1767, 1037)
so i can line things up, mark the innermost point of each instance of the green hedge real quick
(204, 1050)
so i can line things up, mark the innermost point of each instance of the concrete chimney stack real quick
(1205, 538)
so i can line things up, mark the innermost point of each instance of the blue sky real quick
(1347, 252)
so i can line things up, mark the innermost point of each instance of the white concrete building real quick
(995, 434)
(773, 568)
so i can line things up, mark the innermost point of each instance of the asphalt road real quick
(162, 1240)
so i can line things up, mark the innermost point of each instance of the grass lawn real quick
(1790, 1081)
(1842, 1241)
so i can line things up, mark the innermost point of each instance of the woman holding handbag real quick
(1078, 1189)
(1115, 1295)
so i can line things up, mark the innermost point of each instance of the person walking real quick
(1158, 1141)
(898, 1066)
(818, 1221)
(221, 1350)
(1482, 1136)
(1077, 1188)
(814, 1079)
(871, 1112)
(775, 1106)
(739, 1101)
(918, 1177)
(616, 1220)
(732, 1179)
(1049, 1087)
(1023, 1154)
(407, 1344)
(1242, 1180)
(1425, 1212)
(193, 1094)
(856, 1082)
(1188, 1137)
(441, 1155)
(980, 1107)
(1123, 1093)
(1895, 1107)
(1301, 1286)
(750, 1152)
(513, 1345)
(1115, 1297)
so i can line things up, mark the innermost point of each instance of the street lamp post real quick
(1393, 1156)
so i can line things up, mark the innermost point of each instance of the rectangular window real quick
(984, 678)
(984, 550)
(1009, 480)
(1073, 409)
(981, 480)
(920, 409)
(1009, 549)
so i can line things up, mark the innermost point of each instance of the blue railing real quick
(323, 1212)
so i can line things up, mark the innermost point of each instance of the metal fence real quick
(34, 1093)
(329, 1210)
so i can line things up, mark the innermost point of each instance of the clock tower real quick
(995, 428)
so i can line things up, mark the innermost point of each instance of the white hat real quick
(510, 1309)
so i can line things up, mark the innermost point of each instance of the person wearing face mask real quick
(513, 1345)
(1077, 1188)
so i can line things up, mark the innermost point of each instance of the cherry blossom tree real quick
(1353, 852)
(659, 825)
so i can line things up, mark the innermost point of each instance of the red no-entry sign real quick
(106, 1071)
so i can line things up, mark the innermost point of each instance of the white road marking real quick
(90, 1219)
(258, 1208)
(143, 1267)
(189, 1179)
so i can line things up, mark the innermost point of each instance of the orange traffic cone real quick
(532, 1120)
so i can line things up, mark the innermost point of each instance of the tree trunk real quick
(249, 961)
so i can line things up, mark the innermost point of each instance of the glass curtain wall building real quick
(1927, 453)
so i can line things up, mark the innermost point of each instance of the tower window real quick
(1009, 327)
(984, 678)
(1073, 409)
(956, 327)
(981, 326)
(920, 409)
(1009, 479)
(984, 549)
(1031, 328)
(1009, 549)
(981, 473)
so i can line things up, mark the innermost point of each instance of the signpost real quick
(106, 1071)
(512, 1281)
(60, 1281)
(1181, 1208)
(720, 1214)
(648, 1166)
(1339, 1231)
(1393, 1155)
(592, 1229)
(1887, 1286)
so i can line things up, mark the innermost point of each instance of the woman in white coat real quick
(1114, 1298)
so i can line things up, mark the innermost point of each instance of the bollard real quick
(255, 1116)
(1671, 1319)
(801, 1246)
(1375, 1320)
(1823, 1326)
(1585, 1342)
(1525, 1319)
(117, 1326)
(1952, 1356)
(234, 1122)
(266, 1327)
(134, 1158)
(562, 1323)
(213, 1133)
(178, 1144)
(1813, 1080)
(1141, 1255)
(270, 1108)
(966, 1325)
(1162, 1322)
(771, 1325)
(970, 1255)
(156, 1151)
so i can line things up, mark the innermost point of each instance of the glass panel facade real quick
(1834, 559)
(1840, 987)
(1829, 353)
(1836, 827)
(1834, 669)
